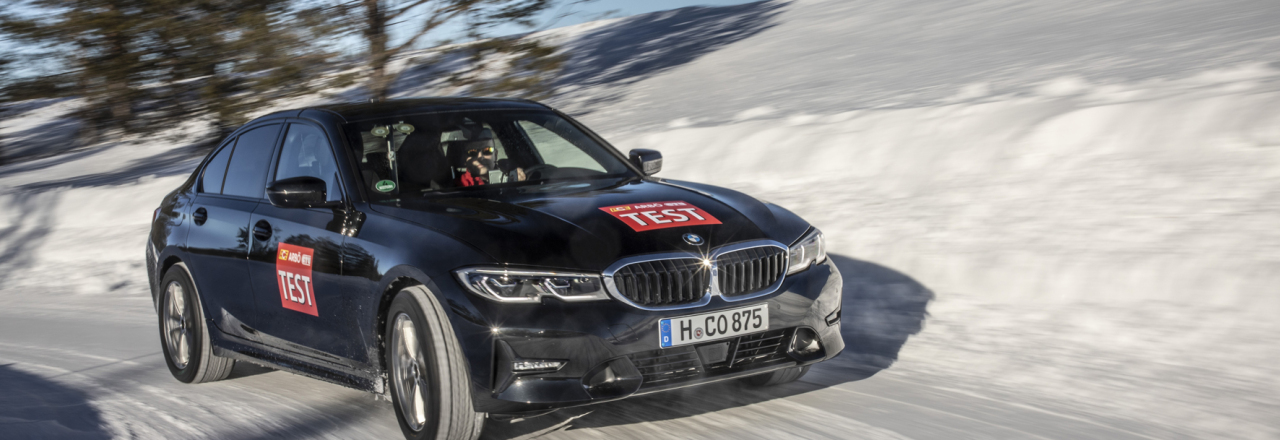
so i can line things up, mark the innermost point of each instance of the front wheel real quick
(430, 382)
(184, 333)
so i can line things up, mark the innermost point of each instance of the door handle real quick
(200, 216)
(262, 230)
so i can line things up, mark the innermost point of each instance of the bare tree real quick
(375, 19)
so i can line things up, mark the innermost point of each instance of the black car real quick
(478, 257)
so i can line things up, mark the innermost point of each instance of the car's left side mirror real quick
(649, 161)
(299, 192)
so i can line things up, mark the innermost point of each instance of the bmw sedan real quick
(476, 258)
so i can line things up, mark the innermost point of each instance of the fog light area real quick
(530, 365)
(805, 345)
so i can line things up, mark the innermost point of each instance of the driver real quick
(478, 161)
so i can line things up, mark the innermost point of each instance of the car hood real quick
(562, 226)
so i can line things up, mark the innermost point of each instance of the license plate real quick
(712, 326)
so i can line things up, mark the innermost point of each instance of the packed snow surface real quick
(1091, 190)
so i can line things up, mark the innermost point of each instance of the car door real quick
(295, 261)
(217, 245)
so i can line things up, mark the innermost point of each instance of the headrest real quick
(421, 161)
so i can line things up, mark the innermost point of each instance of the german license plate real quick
(713, 326)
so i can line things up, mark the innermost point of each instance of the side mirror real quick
(649, 161)
(299, 192)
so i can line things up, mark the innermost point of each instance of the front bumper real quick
(612, 349)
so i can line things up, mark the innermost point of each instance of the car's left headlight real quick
(807, 251)
(530, 286)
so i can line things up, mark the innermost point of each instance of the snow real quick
(1123, 193)
(1090, 189)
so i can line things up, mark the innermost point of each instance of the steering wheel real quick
(537, 171)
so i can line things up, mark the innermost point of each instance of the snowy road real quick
(58, 362)
(108, 379)
(82, 373)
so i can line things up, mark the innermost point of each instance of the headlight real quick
(527, 286)
(807, 251)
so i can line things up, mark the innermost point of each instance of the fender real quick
(464, 318)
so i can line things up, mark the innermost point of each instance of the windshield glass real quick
(413, 155)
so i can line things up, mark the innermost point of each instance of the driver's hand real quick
(477, 168)
(518, 175)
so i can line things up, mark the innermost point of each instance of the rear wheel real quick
(777, 377)
(184, 333)
(430, 382)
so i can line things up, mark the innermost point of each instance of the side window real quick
(306, 152)
(211, 180)
(247, 172)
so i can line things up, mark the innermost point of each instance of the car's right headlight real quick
(530, 286)
(807, 251)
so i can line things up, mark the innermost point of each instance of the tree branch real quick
(434, 22)
(396, 14)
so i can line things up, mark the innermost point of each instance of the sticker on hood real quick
(293, 270)
(660, 215)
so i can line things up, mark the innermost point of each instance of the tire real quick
(428, 377)
(778, 377)
(184, 333)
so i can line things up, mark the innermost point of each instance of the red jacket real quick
(468, 180)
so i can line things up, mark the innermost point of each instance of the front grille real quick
(663, 282)
(682, 364)
(750, 270)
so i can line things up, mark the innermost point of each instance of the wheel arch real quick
(397, 279)
(458, 311)
(166, 261)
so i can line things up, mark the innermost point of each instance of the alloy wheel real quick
(177, 325)
(409, 372)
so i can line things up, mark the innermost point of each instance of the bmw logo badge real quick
(693, 239)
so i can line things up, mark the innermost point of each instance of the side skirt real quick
(364, 379)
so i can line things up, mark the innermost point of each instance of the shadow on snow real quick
(639, 47)
(32, 407)
(609, 59)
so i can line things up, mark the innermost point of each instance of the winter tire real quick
(184, 333)
(429, 379)
(777, 377)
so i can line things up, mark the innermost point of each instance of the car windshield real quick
(415, 155)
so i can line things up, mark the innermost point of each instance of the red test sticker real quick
(660, 215)
(293, 271)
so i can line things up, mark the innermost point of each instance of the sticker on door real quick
(293, 270)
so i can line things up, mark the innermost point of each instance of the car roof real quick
(371, 110)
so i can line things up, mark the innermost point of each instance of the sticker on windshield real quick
(384, 186)
(660, 215)
(293, 271)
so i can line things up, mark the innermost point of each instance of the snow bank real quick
(81, 240)
(1157, 190)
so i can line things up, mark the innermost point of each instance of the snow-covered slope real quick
(1108, 151)
(1156, 191)
(1097, 151)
